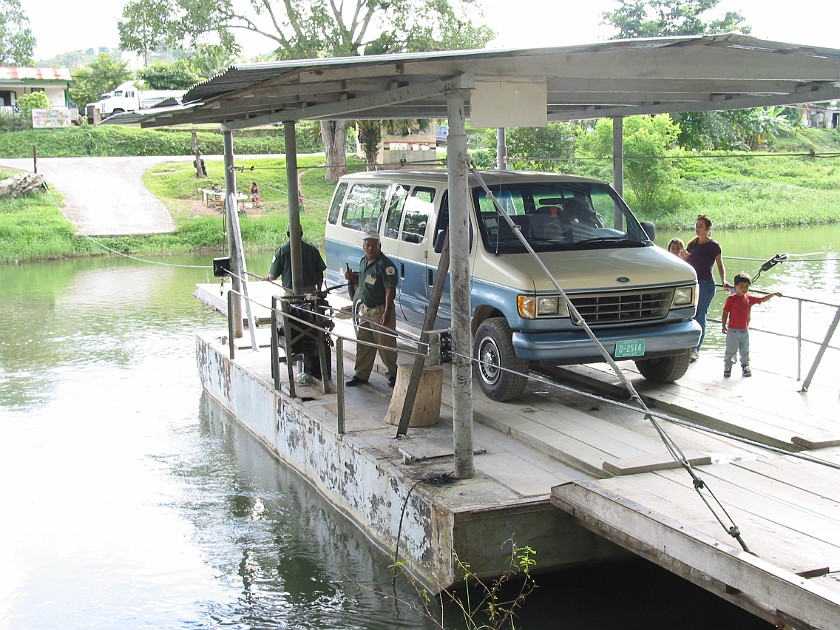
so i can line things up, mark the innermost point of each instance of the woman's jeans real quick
(704, 300)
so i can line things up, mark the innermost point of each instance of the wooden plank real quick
(796, 472)
(702, 409)
(650, 464)
(815, 441)
(674, 546)
(786, 547)
(789, 506)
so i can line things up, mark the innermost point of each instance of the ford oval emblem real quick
(622, 279)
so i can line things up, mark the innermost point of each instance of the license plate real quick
(630, 348)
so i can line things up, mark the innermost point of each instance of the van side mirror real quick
(650, 229)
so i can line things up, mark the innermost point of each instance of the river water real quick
(131, 500)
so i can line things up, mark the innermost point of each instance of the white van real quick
(637, 298)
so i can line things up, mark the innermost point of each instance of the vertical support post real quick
(34, 158)
(618, 164)
(339, 382)
(459, 247)
(237, 254)
(231, 344)
(275, 340)
(501, 149)
(618, 154)
(798, 339)
(294, 208)
(235, 308)
(288, 333)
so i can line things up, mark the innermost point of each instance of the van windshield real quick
(556, 216)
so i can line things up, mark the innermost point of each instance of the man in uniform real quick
(376, 292)
(312, 267)
(312, 272)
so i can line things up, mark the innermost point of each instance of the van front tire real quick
(494, 351)
(665, 369)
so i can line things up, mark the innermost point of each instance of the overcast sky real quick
(66, 26)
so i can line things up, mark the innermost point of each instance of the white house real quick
(17, 81)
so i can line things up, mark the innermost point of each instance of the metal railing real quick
(800, 338)
(293, 316)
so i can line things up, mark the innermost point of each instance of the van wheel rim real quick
(488, 355)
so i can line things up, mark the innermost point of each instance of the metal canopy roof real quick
(616, 78)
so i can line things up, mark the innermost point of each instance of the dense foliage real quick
(101, 75)
(16, 39)
(114, 140)
(662, 18)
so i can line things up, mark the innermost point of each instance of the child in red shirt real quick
(736, 312)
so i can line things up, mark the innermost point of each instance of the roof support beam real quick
(340, 109)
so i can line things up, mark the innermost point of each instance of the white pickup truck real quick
(128, 98)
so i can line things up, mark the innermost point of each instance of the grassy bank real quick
(753, 190)
(33, 228)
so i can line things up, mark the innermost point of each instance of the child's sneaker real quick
(747, 371)
(727, 372)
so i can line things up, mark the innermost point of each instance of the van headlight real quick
(532, 306)
(684, 296)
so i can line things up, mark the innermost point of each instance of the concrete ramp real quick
(790, 568)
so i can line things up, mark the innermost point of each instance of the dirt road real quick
(105, 196)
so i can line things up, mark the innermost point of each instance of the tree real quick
(315, 28)
(646, 141)
(662, 18)
(528, 144)
(102, 75)
(144, 29)
(16, 39)
(175, 75)
(28, 102)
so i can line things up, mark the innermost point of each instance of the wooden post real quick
(428, 324)
(459, 238)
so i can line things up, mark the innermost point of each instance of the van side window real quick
(338, 197)
(395, 211)
(364, 206)
(418, 209)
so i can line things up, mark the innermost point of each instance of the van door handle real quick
(430, 279)
(402, 271)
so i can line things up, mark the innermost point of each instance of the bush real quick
(124, 141)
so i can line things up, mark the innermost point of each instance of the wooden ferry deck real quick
(608, 468)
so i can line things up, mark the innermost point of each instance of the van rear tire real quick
(665, 369)
(493, 348)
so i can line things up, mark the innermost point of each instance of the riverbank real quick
(744, 192)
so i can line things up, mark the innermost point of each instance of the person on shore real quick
(736, 323)
(255, 194)
(377, 288)
(312, 267)
(676, 247)
(702, 252)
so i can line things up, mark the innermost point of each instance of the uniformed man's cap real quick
(370, 234)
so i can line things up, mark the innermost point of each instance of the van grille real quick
(619, 307)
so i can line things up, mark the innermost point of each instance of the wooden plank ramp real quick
(787, 512)
(767, 408)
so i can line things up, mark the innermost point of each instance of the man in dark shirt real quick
(376, 292)
(312, 267)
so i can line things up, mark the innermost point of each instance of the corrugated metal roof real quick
(616, 78)
(15, 73)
